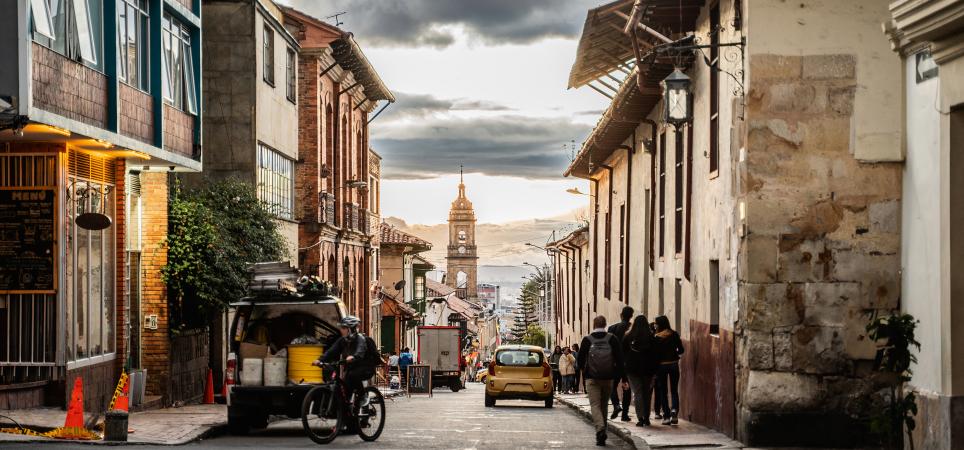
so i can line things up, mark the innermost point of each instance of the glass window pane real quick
(109, 288)
(189, 93)
(95, 301)
(42, 22)
(84, 29)
(70, 260)
(82, 286)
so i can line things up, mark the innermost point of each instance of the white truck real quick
(441, 348)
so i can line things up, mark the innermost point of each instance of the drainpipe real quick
(630, 152)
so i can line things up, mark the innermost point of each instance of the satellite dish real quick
(399, 285)
(92, 221)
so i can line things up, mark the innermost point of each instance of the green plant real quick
(525, 315)
(214, 232)
(535, 335)
(894, 335)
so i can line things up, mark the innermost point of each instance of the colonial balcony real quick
(326, 208)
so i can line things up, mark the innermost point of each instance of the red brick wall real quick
(155, 343)
(136, 115)
(307, 179)
(68, 88)
(120, 226)
(178, 131)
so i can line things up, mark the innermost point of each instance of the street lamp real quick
(676, 97)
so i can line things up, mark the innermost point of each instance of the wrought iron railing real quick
(326, 208)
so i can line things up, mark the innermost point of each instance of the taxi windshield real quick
(521, 358)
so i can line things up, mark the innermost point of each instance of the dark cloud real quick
(417, 22)
(421, 105)
(502, 145)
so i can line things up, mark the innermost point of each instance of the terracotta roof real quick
(418, 260)
(390, 235)
(392, 296)
(442, 290)
(575, 237)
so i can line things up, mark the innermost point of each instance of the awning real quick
(604, 48)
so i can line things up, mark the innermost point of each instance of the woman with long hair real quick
(641, 360)
(669, 347)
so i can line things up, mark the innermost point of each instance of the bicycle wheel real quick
(370, 411)
(321, 415)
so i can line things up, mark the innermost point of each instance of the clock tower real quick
(462, 259)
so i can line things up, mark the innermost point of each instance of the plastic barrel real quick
(274, 371)
(300, 358)
(251, 371)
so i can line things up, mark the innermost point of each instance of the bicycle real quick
(323, 411)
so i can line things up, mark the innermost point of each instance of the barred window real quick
(276, 181)
(290, 69)
(267, 55)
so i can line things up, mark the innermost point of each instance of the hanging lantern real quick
(88, 220)
(676, 98)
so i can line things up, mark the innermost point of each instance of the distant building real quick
(401, 277)
(463, 260)
(490, 295)
(572, 291)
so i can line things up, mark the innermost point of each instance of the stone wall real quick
(821, 251)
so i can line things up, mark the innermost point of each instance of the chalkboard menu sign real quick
(28, 233)
(419, 379)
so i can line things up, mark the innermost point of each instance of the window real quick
(622, 256)
(90, 285)
(678, 303)
(267, 55)
(522, 358)
(73, 28)
(275, 182)
(133, 54)
(420, 287)
(714, 152)
(678, 194)
(662, 299)
(290, 69)
(714, 296)
(178, 71)
(662, 193)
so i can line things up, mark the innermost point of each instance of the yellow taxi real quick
(519, 372)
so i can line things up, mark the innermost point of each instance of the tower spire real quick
(461, 175)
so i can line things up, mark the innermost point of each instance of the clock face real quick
(461, 249)
(677, 105)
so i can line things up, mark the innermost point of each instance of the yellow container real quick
(300, 358)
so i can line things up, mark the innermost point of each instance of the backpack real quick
(372, 358)
(601, 363)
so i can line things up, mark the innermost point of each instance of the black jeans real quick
(557, 381)
(667, 376)
(627, 397)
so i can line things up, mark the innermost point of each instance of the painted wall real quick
(921, 224)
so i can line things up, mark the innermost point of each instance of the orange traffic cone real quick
(209, 389)
(75, 411)
(121, 404)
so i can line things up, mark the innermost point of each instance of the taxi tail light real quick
(492, 368)
(546, 370)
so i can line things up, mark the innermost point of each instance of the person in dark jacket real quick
(601, 359)
(619, 330)
(669, 347)
(554, 365)
(580, 381)
(639, 351)
(350, 348)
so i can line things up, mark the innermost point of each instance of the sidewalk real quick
(684, 435)
(167, 426)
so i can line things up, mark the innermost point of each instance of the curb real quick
(635, 441)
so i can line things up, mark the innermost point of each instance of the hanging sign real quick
(28, 235)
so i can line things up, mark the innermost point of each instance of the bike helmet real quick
(350, 322)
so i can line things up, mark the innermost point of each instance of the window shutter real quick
(85, 40)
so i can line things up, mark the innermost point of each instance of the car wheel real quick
(489, 400)
(455, 385)
(549, 402)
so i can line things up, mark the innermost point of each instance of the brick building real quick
(765, 227)
(338, 178)
(92, 121)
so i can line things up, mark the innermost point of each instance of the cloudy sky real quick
(480, 84)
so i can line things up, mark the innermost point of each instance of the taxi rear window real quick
(519, 358)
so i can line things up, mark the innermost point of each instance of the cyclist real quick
(351, 347)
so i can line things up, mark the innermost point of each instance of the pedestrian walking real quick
(392, 362)
(669, 347)
(580, 379)
(567, 369)
(602, 359)
(554, 364)
(639, 351)
(619, 330)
